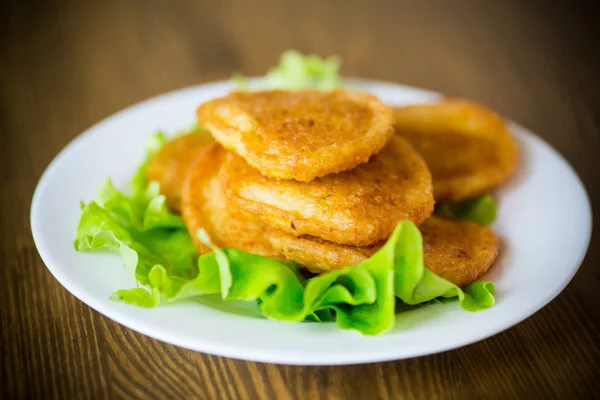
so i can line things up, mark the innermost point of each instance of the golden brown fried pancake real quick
(204, 207)
(299, 135)
(458, 251)
(357, 207)
(170, 164)
(467, 147)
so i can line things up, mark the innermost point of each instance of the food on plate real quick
(300, 135)
(170, 164)
(359, 207)
(204, 206)
(467, 147)
(304, 175)
(455, 250)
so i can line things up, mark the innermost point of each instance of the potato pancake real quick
(467, 147)
(299, 135)
(458, 250)
(358, 207)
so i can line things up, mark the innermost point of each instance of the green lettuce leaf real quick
(142, 231)
(296, 71)
(480, 209)
(140, 228)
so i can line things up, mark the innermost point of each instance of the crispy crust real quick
(170, 164)
(459, 251)
(299, 135)
(467, 147)
(204, 207)
(356, 207)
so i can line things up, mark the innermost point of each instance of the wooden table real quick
(64, 65)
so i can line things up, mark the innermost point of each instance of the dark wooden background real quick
(64, 65)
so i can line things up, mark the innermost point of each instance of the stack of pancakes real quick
(319, 178)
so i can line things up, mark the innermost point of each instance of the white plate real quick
(544, 222)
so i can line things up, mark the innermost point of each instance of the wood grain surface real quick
(65, 65)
